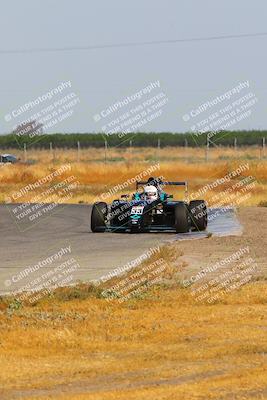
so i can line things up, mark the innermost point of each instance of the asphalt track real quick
(30, 246)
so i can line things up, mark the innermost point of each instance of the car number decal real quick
(137, 210)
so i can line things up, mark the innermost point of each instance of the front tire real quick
(198, 214)
(119, 213)
(181, 218)
(98, 217)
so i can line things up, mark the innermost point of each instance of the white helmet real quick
(151, 193)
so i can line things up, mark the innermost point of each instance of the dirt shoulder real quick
(199, 254)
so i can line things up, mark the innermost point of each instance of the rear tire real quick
(198, 214)
(181, 218)
(98, 217)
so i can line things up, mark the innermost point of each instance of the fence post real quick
(158, 149)
(207, 148)
(78, 151)
(51, 150)
(235, 144)
(25, 152)
(106, 148)
(263, 147)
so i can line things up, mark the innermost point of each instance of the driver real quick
(151, 193)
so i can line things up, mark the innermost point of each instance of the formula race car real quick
(150, 209)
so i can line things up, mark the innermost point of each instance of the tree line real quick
(152, 139)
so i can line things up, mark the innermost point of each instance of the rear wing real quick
(141, 183)
(162, 183)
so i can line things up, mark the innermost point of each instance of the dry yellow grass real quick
(165, 346)
(142, 153)
(96, 177)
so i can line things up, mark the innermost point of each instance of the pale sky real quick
(189, 73)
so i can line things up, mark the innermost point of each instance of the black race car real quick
(150, 209)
